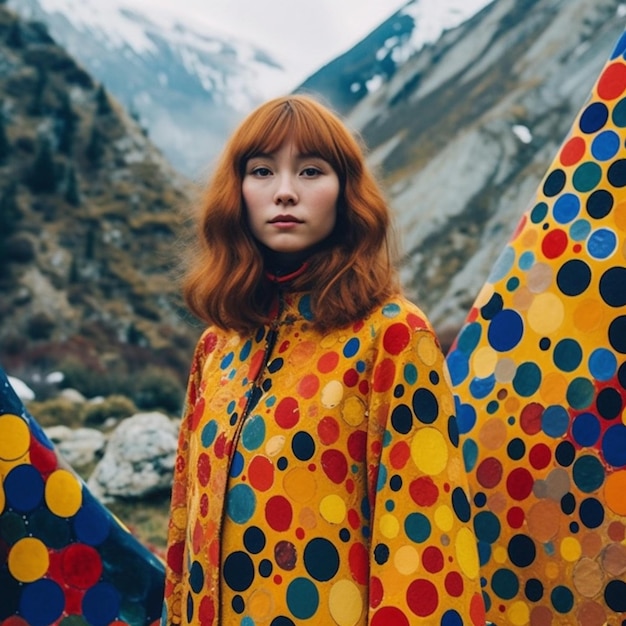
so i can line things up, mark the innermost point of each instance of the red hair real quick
(225, 283)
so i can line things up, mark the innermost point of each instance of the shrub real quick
(115, 406)
(56, 411)
(158, 389)
(20, 248)
(40, 326)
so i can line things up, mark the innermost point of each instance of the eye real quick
(261, 171)
(311, 172)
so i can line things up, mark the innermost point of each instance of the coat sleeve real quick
(178, 522)
(423, 555)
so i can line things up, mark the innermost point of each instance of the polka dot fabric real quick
(63, 558)
(319, 480)
(539, 374)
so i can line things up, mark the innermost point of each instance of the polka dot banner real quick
(539, 373)
(64, 559)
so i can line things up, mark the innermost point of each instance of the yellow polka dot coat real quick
(318, 479)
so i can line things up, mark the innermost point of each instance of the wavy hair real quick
(224, 282)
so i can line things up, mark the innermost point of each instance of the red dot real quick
(278, 513)
(416, 322)
(424, 491)
(530, 418)
(328, 362)
(554, 243)
(489, 472)
(308, 385)
(519, 483)
(388, 616)
(204, 469)
(359, 563)
(261, 473)
(454, 584)
(353, 519)
(573, 151)
(364, 387)
(351, 377)
(399, 455)
(422, 598)
(300, 533)
(357, 445)
(335, 465)
(287, 413)
(396, 338)
(539, 456)
(206, 611)
(81, 566)
(515, 517)
(328, 430)
(376, 591)
(612, 82)
(477, 610)
(432, 558)
(384, 374)
(175, 557)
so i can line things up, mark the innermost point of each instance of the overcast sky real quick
(302, 34)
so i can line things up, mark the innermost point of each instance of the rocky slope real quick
(90, 213)
(463, 131)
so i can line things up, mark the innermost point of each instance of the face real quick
(290, 199)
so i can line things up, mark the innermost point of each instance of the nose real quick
(286, 193)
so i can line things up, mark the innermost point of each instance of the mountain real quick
(90, 215)
(187, 83)
(463, 130)
(348, 78)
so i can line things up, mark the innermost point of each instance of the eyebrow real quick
(300, 156)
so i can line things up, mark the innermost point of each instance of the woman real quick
(318, 479)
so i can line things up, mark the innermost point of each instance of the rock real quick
(73, 395)
(23, 391)
(139, 458)
(79, 447)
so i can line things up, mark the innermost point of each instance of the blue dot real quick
(602, 243)
(24, 488)
(505, 330)
(602, 364)
(579, 230)
(236, 466)
(554, 421)
(562, 599)
(526, 260)
(614, 445)
(605, 146)
(417, 527)
(208, 433)
(351, 347)
(567, 355)
(101, 604)
(620, 47)
(503, 265)
(588, 473)
(469, 338)
(482, 387)
(470, 454)
(466, 418)
(458, 365)
(245, 351)
(91, 524)
(586, 429)
(527, 379)
(253, 434)
(566, 208)
(302, 598)
(227, 360)
(304, 307)
(594, 117)
(240, 503)
(487, 526)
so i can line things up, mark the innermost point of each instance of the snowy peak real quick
(374, 60)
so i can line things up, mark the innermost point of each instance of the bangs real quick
(309, 128)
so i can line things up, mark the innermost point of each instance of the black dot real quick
(344, 535)
(282, 463)
(402, 419)
(599, 204)
(460, 504)
(591, 513)
(609, 403)
(265, 568)
(453, 431)
(396, 482)
(398, 391)
(254, 539)
(238, 571)
(434, 377)
(615, 595)
(275, 365)
(621, 375)
(516, 449)
(617, 334)
(303, 446)
(493, 307)
(381, 553)
(554, 183)
(573, 527)
(544, 343)
(480, 499)
(238, 604)
(573, 277)
(568, 503)
(613, 286)
(534, 590)
(522, 550)
(565, 454)
(425, 405)
(617, 173)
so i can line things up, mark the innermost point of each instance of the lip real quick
(285, 219)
